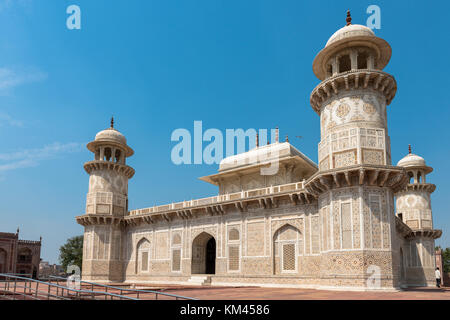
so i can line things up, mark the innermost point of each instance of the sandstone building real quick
(19, 256)
(331, 225)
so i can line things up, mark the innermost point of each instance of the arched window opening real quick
(25, 255)
(107, 154)
(329, 70)
(362, 60)
(176, 252)
(117, 156)
(344, 63)
(176, 240)
(288, 243)
(142, 256)
(410, 177)
(233, 234)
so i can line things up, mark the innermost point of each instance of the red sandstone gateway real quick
(19, 256)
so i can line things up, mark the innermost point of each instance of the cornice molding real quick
(353, 80)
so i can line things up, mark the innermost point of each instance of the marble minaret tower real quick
(106, 205)
(356, 182)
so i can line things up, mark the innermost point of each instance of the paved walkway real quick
(255, 293)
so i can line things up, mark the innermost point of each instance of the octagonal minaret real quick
(354, 93)
(413, 203)
(355, 184)
(106, 205)
(413, 206)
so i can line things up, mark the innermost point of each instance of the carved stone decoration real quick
(343, 159)
(357, 117)
(373, 157)
(331, 124)
(369, 108)
(342, 110)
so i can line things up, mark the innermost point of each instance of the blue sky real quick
(160, 65)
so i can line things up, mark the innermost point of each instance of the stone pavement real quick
(258, 293)
(254, 293)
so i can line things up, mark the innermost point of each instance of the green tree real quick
(71, 253)
(445, 258)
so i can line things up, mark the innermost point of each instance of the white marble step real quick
(200, 280)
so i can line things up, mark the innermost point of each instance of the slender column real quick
(353, 59)
(370, 62)
(334, 66)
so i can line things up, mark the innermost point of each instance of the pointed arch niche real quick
(287, 245)
(143, 251)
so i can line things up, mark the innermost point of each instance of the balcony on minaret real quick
(359, 58)
(104, 153)
(110, 147)
(109, 174)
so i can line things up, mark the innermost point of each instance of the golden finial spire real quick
(257, 140)
(287, 138)
(112, 122)
(409, 148)
(349, 18)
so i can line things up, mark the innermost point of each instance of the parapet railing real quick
(29, 242)
(138, 292)
(289, 187)
(14, 286)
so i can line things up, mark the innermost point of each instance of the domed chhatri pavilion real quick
(331, 225)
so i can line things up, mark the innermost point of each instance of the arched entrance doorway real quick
(203, 254)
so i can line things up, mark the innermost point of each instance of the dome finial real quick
(409, 148)
(112, 122)
(349, 18)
